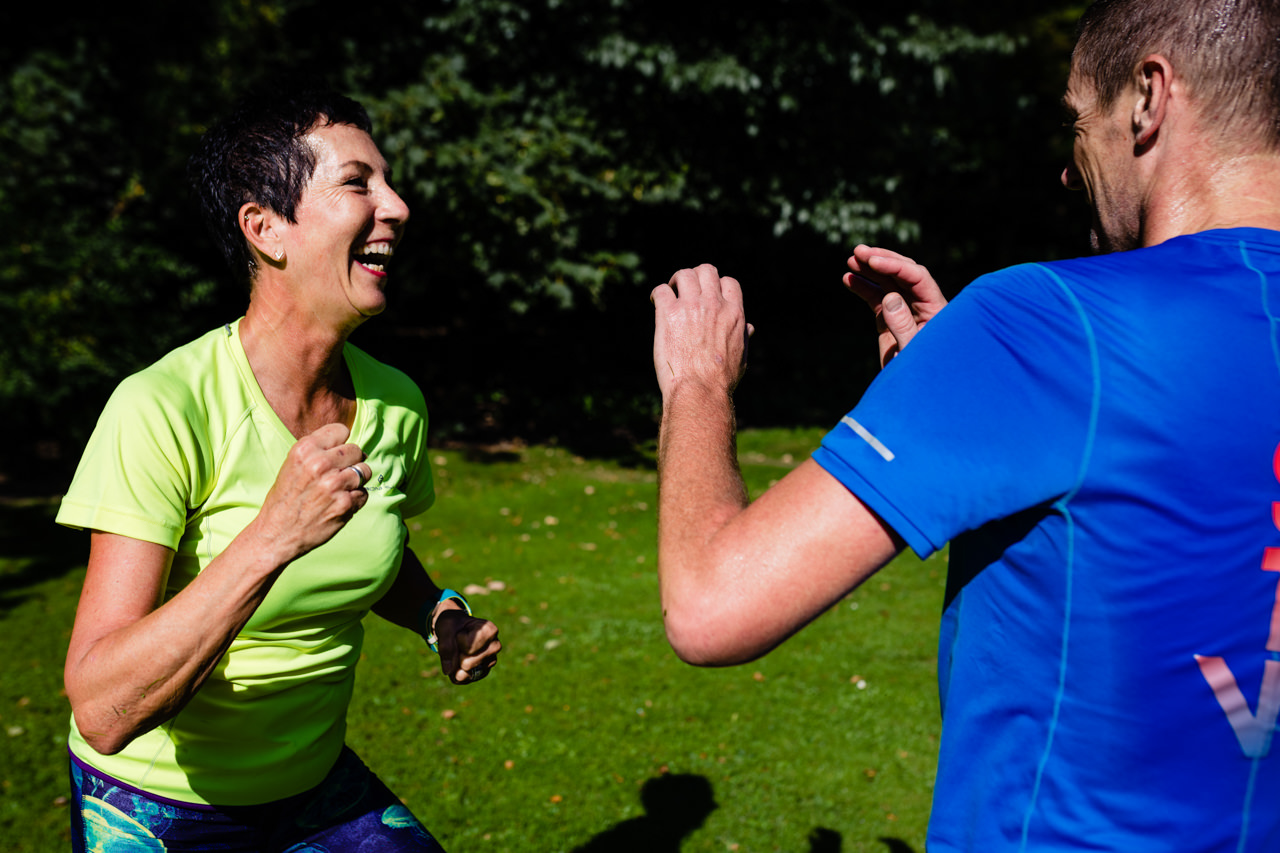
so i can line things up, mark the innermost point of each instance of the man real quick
(1099, 439)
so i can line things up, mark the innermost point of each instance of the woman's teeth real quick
(366, 253)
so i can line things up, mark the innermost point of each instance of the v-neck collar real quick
(236, 345)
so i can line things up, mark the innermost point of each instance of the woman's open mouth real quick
(374, 256)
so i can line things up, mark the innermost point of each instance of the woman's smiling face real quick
(349, 221)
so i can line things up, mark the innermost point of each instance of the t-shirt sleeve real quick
(987, 412)
(139, 468)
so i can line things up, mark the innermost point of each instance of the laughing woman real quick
(246, 496)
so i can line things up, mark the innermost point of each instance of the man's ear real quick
(258, 226)
(1153, 79)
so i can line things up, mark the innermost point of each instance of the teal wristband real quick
(430, 633)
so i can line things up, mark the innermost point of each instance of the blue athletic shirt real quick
(1099, 440)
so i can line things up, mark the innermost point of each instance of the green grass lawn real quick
(827, 744)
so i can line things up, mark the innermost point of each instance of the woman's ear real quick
(258, 224)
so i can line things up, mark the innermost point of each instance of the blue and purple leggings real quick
(351, 811)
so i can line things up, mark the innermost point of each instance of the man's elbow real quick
(697, 654)
(701, 639)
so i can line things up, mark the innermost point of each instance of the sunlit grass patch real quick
(826, 744)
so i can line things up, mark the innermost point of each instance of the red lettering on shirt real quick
(1253, 729)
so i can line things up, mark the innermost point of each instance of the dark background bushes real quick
(560, 157)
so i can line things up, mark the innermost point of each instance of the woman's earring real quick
(279, 254)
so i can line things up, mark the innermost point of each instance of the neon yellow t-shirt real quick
(183, 456)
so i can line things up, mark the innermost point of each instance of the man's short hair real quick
(1227, 51)
(258, 154)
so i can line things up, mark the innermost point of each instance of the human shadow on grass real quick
(34, 549)
(675, 805)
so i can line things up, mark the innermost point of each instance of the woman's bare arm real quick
(134, 661)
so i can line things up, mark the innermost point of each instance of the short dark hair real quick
(257, 154)
(1228, 52)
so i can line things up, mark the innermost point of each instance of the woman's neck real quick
(299, 367)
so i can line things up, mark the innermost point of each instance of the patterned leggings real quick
(351, 811)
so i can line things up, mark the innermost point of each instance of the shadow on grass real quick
(623, 451)
(675, 805)
(823, 840)
(490, 457)
(896, 845)
(34, 549)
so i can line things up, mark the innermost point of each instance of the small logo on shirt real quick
(380, 484)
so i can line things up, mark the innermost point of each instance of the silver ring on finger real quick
(359, 473)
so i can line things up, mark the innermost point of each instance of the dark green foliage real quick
(560, 157)
(104, 266)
